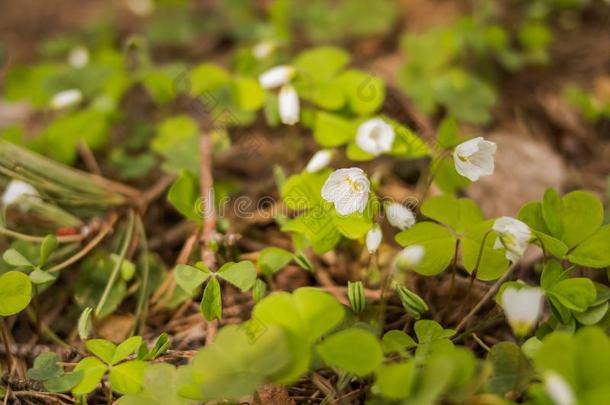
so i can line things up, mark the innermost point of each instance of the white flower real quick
(141, 8)
(410, 257)
(319, 160)
(289, 107)
(78, 57)
(373, 238)
(513, 235)
(66, 98)
(19, 192)
(522, 308)
(375, 136)
(276, 76)
(263, 49)
(474, 158)
(558, 389)
(400, 216)
(347, 189)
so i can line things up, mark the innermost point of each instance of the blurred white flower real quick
(513, 235)
(319, 160)
(474, 158)
(409, 257)
(558, 389)
(141, 8)
(66, 98)
(276, 76)
(19, 192)
(78, 57)
(373, 238)
(522, 308)
(400, 216)
(347, 189)
(375, 136)
(289, 106)
(263, 49)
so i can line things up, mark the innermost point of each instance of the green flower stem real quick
(39, 239)
(115, 271)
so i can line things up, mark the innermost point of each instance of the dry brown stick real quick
(486, 297)
(89, 159)
(92, 244)
(157, 189)
(206, 187)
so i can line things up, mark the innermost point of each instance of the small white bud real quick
(78, 57)
(141, 8)
(410, 257)
(522, 308)
(263, 49)
(319, 160)
(289, 106)
(558, 389)
(66, 98)
(276, 76)
(375, 136)
(475, 158)
(19, 192)
(373, 238)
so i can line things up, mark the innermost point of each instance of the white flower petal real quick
(513, 235)
(410, 257)
(400, 216)
(522, 307)
(289, 106)
(347, 189)
(474, 158)
(263, 49)
(375, 136)
(78, 57)
(276, 76)
(558, 389)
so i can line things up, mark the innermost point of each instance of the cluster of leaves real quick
(453, 67)
(592, 107)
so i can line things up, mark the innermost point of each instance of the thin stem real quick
(206, 188)
(7, 346)
(485, 298)
(142, 307)
(453, 272)
(478, 263)
(118, 264)
(39, 239)
(92, 244)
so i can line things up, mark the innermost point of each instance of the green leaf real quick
(45, 367)
(126, 348)
(242, 275)
(552, 273)
(177, 140)
(394, 381)
(331, 130)
(189, 278)
(447, 136)
(438, 242)
(15, 292)
(365, 92)
(252, 362)
(39, 276)
(428, 331)
(352, 226)
(321, 63)
(247, 93)
(93, 370)
(259, 291)
(592, 315)
(511, 369)
(64, 382)
(160, 387)
(127, 378)
(397, 341)
(353, 350)
(273, 259)
(458, 214)
(14, 258)
(184, 196)
(303, 191)
(493, 262)
(206, 78)
(211, 303)
(582, 214)
(576, 294)
(48, 246)
(101, 348)
(551, 212)
(593, 251)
